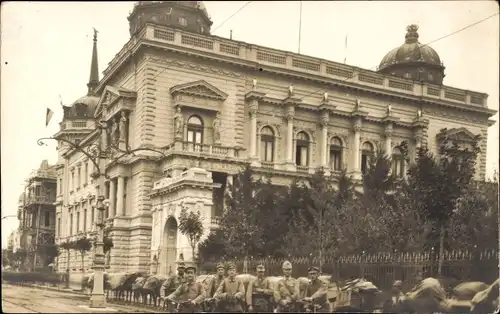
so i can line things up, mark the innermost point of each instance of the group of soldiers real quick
(228, 294)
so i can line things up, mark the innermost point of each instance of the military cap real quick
(287, 265)
(231, 265)
(220, 265)
(261, 267)
(189, 265)
(313, 268)
(181, 265)
(397, 283)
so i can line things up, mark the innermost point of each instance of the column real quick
(324, 131)
(112, 198)
(388, 139)
(253, 132)
(120, 209)
(289, 137)
(78, 175)
(355, 145)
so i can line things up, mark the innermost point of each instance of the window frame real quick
(301, 144)
(265, 140)
(195, 129)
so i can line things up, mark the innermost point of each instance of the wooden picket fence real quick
(384, 268)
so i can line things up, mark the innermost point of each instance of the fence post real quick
(362, 265)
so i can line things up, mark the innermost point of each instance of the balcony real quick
(39, 200)
(258, 56)
(205, 150)
(215, 222)
(77, 125)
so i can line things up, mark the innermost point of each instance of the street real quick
(17, 299)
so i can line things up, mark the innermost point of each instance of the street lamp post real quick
(98, 153)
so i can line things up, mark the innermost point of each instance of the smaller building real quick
(36, 214)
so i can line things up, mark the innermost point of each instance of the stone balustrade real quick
(254, 55)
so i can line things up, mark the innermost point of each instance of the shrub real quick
(30, 277)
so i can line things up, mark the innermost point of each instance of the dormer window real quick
(183, 21)
(407, 75)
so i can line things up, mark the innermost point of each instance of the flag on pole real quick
(48, 116)
(345, 47)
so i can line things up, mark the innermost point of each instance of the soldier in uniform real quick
(259, 285)
(173, 282)
(316, 292)
(287, 290)
(231, 291)
(190, 294)
(221, 271)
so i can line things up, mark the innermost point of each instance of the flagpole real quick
(345, 49)
(300, 23)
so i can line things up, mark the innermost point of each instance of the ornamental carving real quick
(343, 137)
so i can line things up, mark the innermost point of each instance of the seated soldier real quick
(214, 284)
(287, 290)
(190, 294)
(316, 292)
(260, 285)
(231, 292)
(173, 282)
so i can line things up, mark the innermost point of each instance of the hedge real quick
(30, 277)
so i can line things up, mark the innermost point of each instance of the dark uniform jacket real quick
(257, 285)
(231, 287)
(189, 291)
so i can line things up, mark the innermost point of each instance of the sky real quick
(46, 51)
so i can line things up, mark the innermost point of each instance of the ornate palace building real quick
(213, 104)
(36, 214)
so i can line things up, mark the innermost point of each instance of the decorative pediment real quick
(200, 89)
(112, 94)
(457, 134)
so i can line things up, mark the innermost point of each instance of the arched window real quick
(302, 149)
(366, 154)
(336, 154)
(267, 144)
(195, 133)
(398, 163)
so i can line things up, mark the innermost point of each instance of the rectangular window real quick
(336, 159)
(71, 224)
(59, 227)
(301, 155)
(72, 180)
(266, 151)
(60, 186)
(79, 183)
(85, 220)
(92, 211)
(364, 163)
(86, 173)
(47, 219)
(77, 222)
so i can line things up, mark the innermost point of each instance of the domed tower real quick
(78, 119)
(191, 16)
(412, 60)
(84, 107)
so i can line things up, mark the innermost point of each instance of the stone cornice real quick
(389, 87)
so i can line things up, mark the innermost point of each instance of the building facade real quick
(36, 214)
(212, 105)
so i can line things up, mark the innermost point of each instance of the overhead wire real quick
(273, 112)
(411, 51)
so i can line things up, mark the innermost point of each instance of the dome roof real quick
(411, 51)
(82, 108)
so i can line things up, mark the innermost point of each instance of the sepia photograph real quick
(250, 156)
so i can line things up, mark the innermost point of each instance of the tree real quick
(272, 218)
(20, 257)
(315, 229)
(191, 225)
(9, 258)
(83, 245)
(437, 182)
(213, 247)
(239, 223)
(49, 251)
